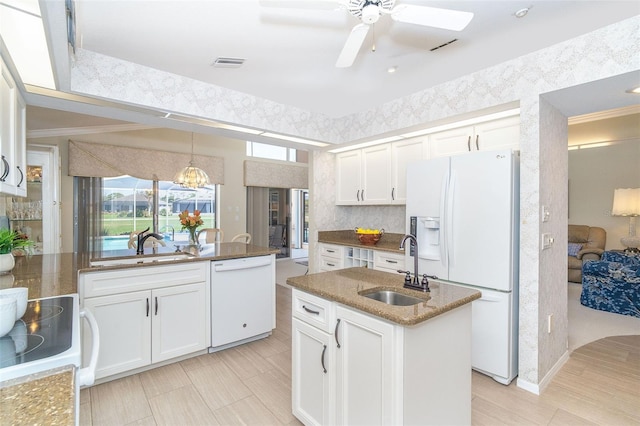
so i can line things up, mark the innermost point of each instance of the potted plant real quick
(10, 241)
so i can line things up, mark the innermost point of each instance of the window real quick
(125, 204)
(261, 150)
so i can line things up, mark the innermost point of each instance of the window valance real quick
(276, 174)
(99, 160)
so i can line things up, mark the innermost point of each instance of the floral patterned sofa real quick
(613, 283)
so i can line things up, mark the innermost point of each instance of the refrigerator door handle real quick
(449, 223)
(443, 219)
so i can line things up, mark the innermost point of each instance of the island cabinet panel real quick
(314, 374)
(176, 312)
(365, 369)
(125, 332)
(149, 321)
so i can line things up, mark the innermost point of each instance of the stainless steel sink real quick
(140, 259)
(391, 297)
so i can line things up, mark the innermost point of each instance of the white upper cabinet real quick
(376, 175)
(497, 134)
(402, 153)
(363, 176)
(348, 171)
(13, 159)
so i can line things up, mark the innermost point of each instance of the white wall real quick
(232, 198)
(593, 175)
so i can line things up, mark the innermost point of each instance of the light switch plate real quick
(545, 213)
(547, 241)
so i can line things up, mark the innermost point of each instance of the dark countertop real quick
(389, 242)
(343, 285)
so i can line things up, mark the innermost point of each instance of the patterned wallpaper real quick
(607, 52)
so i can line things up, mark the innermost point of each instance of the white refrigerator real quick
(464, 212)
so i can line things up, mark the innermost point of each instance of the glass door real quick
(38, 214)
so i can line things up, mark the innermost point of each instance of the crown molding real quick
(603, 115)
(74, 131)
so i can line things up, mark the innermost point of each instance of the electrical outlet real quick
(547, 241)
(549, 323)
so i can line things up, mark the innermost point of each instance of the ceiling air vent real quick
(228, 62)
(443, 45)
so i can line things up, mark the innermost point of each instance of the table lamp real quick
(626, 202)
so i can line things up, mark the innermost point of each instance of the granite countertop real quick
(389, 242)
(343, 285)
(48, 275)
(45, 398)
(208, 252)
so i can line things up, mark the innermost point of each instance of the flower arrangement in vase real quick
(191, 223)
(11, 241)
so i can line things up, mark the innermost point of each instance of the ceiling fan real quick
(370, 11)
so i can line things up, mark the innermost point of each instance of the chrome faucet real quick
(142, 237)
(413, 239)
(416, 284)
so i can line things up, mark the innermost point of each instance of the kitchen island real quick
(52, 275)
(356, 360)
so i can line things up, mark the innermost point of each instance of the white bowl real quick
(21, 294)
(19, 335)
(8, 351)
(7, 314)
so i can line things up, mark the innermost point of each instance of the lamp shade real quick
(626, 202)
(191, 177)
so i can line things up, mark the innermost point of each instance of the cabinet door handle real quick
(391, 261)
(330, 251)
(311, 311)
(335, 333)
(393, 195)
(469, 144)
(147, 306)
(21, 176)
(156, 313)
(477, 144)
(5, 169)
(358, 195)
(324, 349)
(362, 195)
(330, 264)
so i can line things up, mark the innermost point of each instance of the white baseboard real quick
(537, 388)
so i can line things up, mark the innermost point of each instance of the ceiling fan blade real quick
(305, 4)
(352, 46)
(448, 19)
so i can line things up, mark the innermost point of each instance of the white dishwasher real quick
(242, 300)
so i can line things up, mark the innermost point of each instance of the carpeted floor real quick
(588, 325)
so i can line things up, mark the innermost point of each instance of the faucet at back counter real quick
(142, 237)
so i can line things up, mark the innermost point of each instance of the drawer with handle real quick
(313, 310)
(388, 262)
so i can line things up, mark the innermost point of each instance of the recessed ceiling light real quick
(521, 13)
(392, 69)
(635, 90)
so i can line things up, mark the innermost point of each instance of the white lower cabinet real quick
(349, 367)
(161, 318)
(365, 369)
(312, 386)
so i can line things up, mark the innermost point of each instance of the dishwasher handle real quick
(86, 376)
(237, 264)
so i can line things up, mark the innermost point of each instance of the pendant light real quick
(191, 176)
